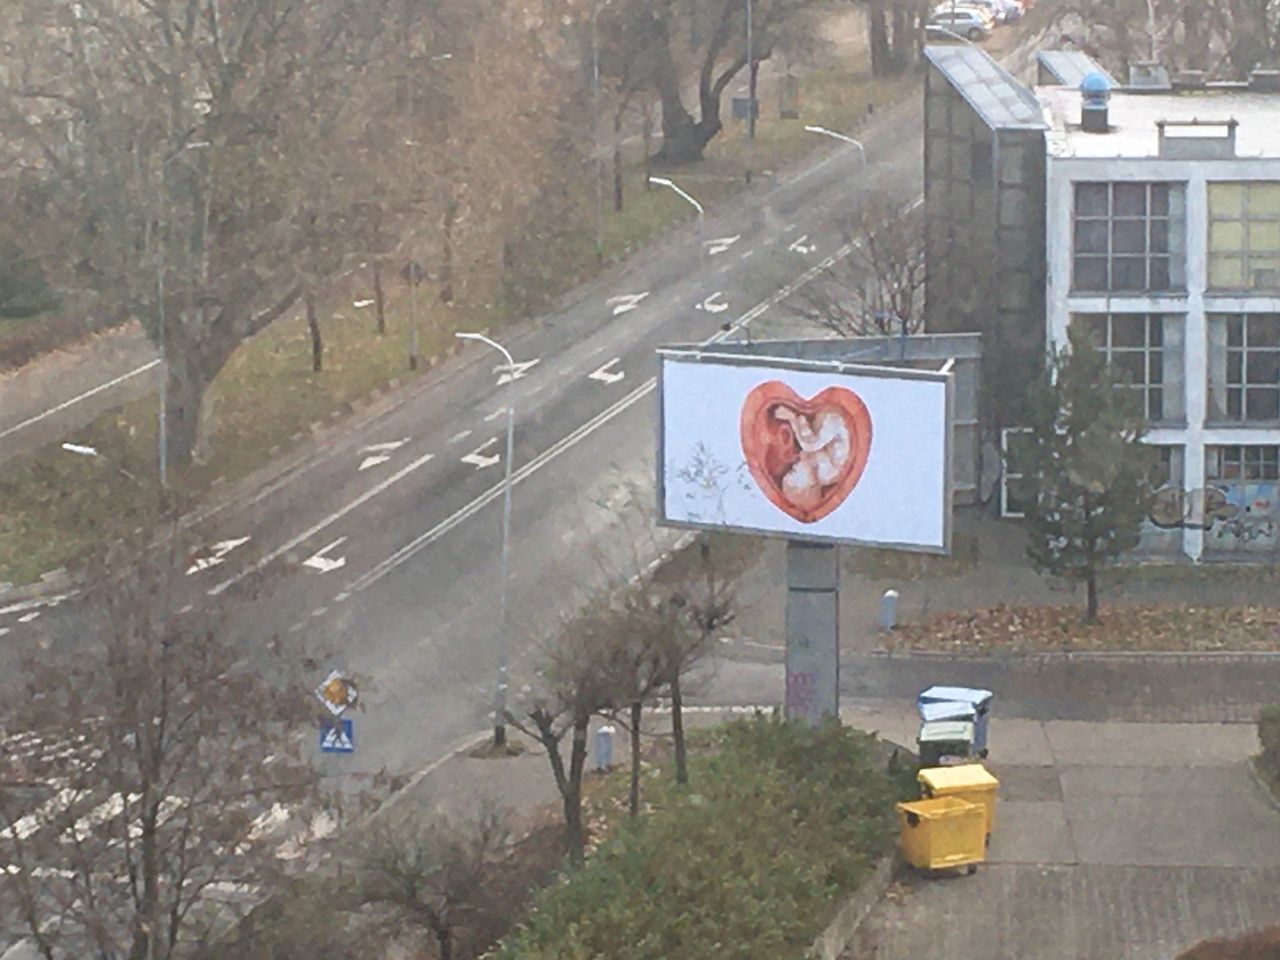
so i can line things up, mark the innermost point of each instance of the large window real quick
(1244, 236)
(1145, 351)
(1242, 463)
(1129, 237)
(1244, 367)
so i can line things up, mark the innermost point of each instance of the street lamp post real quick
(862, 156)
(664, 182)
(751, 79)
(500, 690)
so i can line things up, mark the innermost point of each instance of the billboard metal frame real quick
(943, 375)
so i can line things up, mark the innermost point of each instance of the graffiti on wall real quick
(1233, 515)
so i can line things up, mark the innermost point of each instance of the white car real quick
(990, 9)
(969, 23)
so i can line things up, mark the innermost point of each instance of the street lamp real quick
(862, 155)
(500, 691)
(664, 182)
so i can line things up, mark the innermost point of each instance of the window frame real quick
(1237, 388)
(1155, 344)
(1262, 458)
(1244, 253)
(1112, 222)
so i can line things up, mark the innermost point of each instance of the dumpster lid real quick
(939, 807)
(974, 695)
(947, 710)
(957, 778)
(946, 731)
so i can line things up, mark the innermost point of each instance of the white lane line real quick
(477, 458)
(22, 605)
(341, 597)
(296, 627)
(319, 612)
(74, 400)
(187, 608)
(460, 435)
(605, 375)
(517, 372)
(747, 253)
(327, 521)
(489, 418)
(318, 560)
(3, 631)
(444, 526)
(28, 617)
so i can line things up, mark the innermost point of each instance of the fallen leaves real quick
(1173, 628)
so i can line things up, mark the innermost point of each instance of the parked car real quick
(990, 9)
(969, 23)
(1010, 10)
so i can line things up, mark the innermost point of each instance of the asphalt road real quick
(384, 546)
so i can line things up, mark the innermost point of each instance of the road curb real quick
(751, 652)
(844, 926)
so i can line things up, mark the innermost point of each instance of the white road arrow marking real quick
(477, 458)
(217, 554)
(605, 375)
(721, 244)
(799, 246)
(626, 302)
(713, 304)
(318, 560)
(381, 452)
(517, 371)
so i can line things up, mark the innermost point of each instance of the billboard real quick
(809, 450)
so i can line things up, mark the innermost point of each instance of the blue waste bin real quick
(978, 700)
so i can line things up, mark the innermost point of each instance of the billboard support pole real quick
(813, 630)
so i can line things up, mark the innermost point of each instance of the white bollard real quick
(889, 610)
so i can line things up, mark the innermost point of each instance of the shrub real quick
(782, 820)
(1269, 735)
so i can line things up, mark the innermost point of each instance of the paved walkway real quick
(1117, 840)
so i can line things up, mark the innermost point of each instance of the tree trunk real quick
(634, 798)
(901, 38)
(681, 138)
(574, 835)
(677, 731)
(379, 298)
(184, 394)
(879, 38)
(1091, 586)
(313, 327)
(449, 219)
(444, 940)
(617, 163)
(646, 132)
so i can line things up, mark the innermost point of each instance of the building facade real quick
(1162, 238)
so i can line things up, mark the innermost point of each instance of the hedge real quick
(777, 823)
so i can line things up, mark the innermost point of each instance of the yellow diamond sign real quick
(336, 693)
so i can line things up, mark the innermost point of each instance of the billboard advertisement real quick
(809, 450)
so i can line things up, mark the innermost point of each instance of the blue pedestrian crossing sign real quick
(338, 736)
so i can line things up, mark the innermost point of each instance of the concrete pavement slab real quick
(1019, 742)
(1090, 912)
(1093, 784)
(1031, 832)
(1076, 743)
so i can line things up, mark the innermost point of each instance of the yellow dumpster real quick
(942, 834)
(969, 781)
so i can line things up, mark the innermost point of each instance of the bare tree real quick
(578, 681)
(163, 767)
(879, 288)
(434, 878)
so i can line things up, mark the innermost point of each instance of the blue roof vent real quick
(1095, 91)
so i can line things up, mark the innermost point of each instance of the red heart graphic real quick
(806, 455)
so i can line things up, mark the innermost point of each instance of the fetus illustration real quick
(805, 455)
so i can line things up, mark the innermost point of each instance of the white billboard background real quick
(901, 498)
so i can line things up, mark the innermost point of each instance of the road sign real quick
(336, 693)
(338, 736)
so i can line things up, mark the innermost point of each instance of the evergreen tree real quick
(1085, 467)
